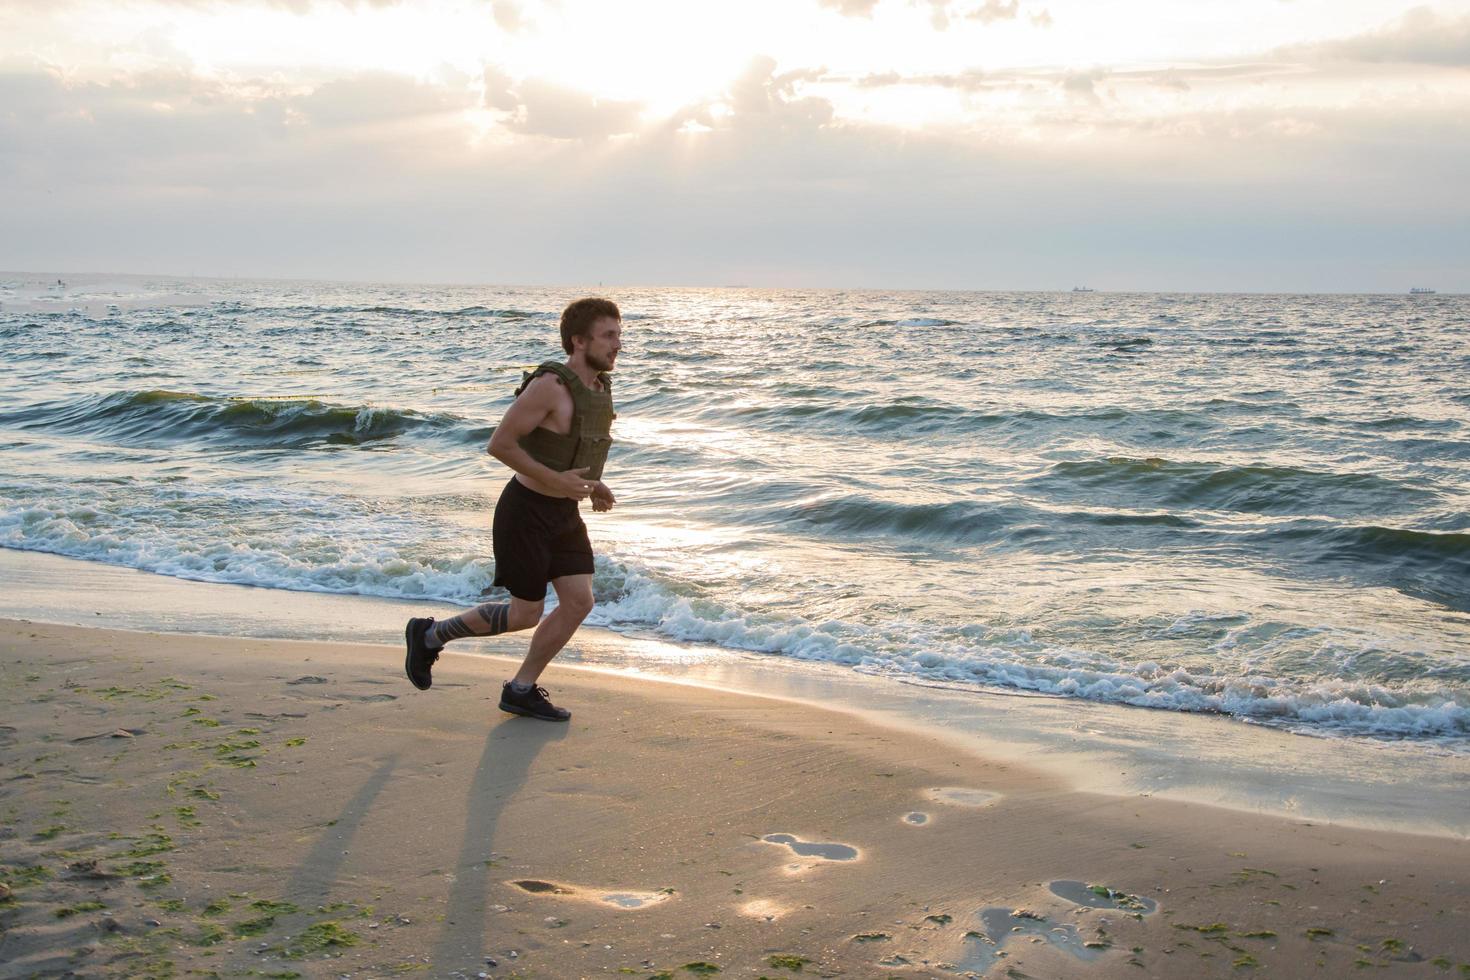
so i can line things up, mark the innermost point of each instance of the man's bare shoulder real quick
(544, 387)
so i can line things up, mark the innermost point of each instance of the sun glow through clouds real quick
(760, 112)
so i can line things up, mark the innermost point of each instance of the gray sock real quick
(520, 687)
(496, 615)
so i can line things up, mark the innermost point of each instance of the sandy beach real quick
(281, 808)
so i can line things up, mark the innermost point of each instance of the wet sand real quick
(172, 803)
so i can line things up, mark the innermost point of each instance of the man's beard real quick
(599, 363)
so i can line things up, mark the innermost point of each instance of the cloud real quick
(943, 12)
(547, 109)
(373, 175)
(993, 10)
(761, 96)
(850, 8)
(1419, 37)
(375, 97)
(1082, 85)
(507, 15)
(973, 80)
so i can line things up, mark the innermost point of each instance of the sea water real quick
(1251, 505)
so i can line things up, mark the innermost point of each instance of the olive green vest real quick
(586, 444)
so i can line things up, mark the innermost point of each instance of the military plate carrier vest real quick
(586, 444)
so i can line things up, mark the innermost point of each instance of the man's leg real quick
(573, 603)
(425, 638)
(486, 619)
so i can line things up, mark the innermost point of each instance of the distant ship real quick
(1081, 289)
(1421, 291)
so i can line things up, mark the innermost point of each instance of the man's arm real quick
(532, 407)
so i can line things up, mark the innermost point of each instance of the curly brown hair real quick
(577, 319)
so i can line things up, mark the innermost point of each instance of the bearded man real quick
(555, 436)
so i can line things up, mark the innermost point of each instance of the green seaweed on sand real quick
(68, 911)
(1247, 874)
(52, 832)
(21, 876)
(233, 752)
(217, 907)
(787, 961)
(207, 722)
(152, 960)
(148, 874)
(1213, 929)
(254, 927)
(187, 817)
(155, 842)
(700, 967)
(292, 743)
(268, 907)
(170, 904)
(1258, 934)
(1317, 932)
(871, 937)
(1245, 962)
(318, 937)
(209, 935)
(265, 918)
(1123, 900)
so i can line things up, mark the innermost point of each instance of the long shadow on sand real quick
(510, 749)
(315, 877)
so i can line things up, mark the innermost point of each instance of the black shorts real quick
(537, 539)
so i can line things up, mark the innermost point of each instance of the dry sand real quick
(177, 804)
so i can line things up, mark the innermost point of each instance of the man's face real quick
(603, 343)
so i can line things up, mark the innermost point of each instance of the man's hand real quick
(576, 484)
(602, 497)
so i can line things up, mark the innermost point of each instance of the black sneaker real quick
(420, 658)
(532, 704)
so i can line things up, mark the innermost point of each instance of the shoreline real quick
(298, 808)
(1101, 748)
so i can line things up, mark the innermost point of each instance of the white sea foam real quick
(305, 557)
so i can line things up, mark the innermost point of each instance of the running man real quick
(555, 435)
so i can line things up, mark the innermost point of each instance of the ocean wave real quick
(155, 417)
(269, 543)
(960, 522)
(396, 312)
(1427, 564)
(265, 551)
(912, 650)
(1253, 489)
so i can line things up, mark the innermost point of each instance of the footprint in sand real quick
(999, 925)
(814, 849)
(617, 899)
(1102, 897)
(763, 908)
(962, 796)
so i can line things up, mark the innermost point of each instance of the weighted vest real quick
(586, 444)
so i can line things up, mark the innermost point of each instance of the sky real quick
(1213, 145)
